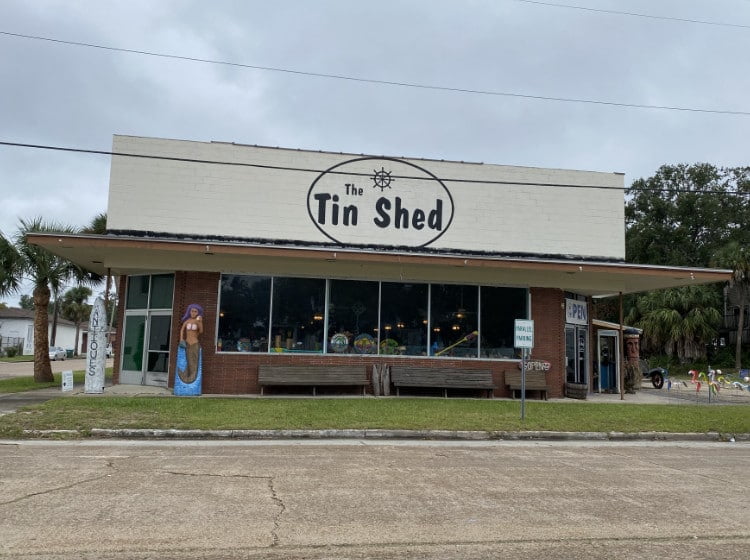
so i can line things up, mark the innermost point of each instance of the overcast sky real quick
(57, 94)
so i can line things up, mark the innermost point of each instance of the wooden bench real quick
(535, 381)
(271, 375)
(441, 378)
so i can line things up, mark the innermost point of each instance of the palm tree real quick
(47, 272)
(680, 321)
(737, 257)
(98, 225)
(75, 308)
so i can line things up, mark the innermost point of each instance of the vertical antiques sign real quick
(96, 348)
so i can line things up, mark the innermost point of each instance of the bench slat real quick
(535, 381)
(441, 378)
(312, 375)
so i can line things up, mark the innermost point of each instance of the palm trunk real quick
(740, 325)
(75, 346)
(42, 367)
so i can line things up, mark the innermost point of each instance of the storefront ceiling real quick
(122, 255)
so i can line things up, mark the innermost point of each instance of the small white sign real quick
(67, 381)
(576, 312)
(523, 333)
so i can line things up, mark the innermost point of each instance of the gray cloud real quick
(73, 96)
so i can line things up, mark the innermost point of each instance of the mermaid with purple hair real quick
(192, 328)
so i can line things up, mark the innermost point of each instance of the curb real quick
(445, 435)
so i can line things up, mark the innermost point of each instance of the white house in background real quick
(19, 323)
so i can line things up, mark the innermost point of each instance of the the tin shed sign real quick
(380, 201)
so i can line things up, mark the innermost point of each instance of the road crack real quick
(278, 502)
(110, 464)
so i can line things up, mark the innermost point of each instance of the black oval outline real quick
(450, 196)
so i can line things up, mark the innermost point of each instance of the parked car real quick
(57, 353)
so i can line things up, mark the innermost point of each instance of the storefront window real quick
(162, 286)
(454, 320)
(137, 296)
(150, 291)
(500, 308)
(244, 308)
(353, 317)
(403, 319)
(298, 314)
(367, 317)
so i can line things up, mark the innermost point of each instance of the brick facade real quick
(237, 373)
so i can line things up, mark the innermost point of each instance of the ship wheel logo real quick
(382, 179)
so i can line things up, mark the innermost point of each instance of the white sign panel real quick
(523, 333)
(576, 312)
(296, 196)
(96, 348)
(67, 380)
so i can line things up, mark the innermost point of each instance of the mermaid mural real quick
(189, 375)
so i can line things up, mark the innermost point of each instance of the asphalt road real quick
(355, 499)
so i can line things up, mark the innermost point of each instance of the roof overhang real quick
(125, 255)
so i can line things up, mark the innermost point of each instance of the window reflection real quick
(244, 308)
(500, 308)
(454, 320)
(367, 317)
(298, 307)
(353, 317)
(403, 319)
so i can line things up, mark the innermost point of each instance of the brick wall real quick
(237, 373)
(548, 313)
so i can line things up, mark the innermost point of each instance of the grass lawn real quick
(83, 413)
(27, 383)
(28, 358)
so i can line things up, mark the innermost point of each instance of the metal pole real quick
(621, 351)
(523, 383)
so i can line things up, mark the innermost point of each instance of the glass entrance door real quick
(157, 353)
(576, 354)
(134, 335)
(608, 361)
(146, 364)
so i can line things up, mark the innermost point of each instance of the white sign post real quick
(523, 338)
(96, 348)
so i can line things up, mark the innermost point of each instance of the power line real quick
(635, 14)
(382, 82)
(334, 172)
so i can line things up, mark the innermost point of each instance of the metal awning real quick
(121, 255)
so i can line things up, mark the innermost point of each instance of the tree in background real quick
(48, 273)
(679, 322)
(26, 302)
(737, 257)
(75, 308)
(98, 225)
(684, 215)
